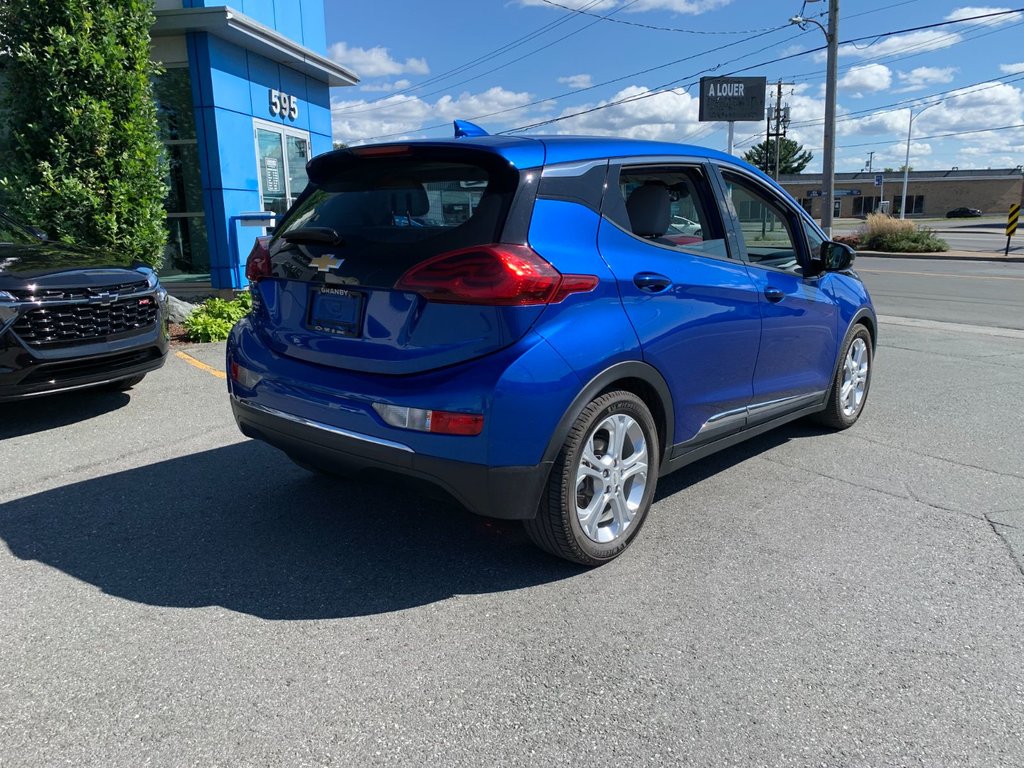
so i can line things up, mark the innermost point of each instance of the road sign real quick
(835, 193)
(879, 179)
(732, 98)
(1011, 220)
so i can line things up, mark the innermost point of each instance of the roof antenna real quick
(465, 128)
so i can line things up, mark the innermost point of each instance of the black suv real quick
(69, 319)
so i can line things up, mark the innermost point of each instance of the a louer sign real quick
(732, 98)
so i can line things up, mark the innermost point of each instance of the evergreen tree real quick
(81, 156)
(793, 158)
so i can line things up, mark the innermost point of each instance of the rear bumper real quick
(500, 492)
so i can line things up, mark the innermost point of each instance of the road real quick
(176, 595)
(985, 293)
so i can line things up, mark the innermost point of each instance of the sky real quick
(568, 63)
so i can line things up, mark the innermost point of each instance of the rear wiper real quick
(313, 235)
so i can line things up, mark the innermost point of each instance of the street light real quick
(828, 161)
(906, 162)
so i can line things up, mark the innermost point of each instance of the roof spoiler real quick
(465, 128)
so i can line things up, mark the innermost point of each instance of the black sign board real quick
(732, 98)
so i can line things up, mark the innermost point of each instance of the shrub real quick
(884, 233)
(79, 150)
(851, 240)
(213, 319)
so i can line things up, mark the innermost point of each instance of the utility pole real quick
(778, 123)
(871, 157)
(828, 162)
(831, 76)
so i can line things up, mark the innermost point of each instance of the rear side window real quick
(418, 205)
(672, 206)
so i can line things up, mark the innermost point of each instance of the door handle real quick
(774, 295)
(651, 282)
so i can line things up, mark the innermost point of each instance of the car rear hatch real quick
(360, 273)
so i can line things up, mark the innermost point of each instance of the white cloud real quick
(868, 78)
(668, 116)
(375, 62)
(356, 121)
(577, 81)
(921, 77)
(1012, 69)
(912, 42)
(398, 85)
(969, 12)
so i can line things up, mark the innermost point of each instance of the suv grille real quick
(64, 294)
(83, 323)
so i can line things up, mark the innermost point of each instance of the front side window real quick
(671, 206)
(765, 226)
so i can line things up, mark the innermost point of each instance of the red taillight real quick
(500, 275)
(446, 423)
(257, 266)
(377, 150)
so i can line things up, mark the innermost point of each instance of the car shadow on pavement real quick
(38, 414)
(241, 527)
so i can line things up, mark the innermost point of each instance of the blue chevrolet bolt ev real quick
(519, 321)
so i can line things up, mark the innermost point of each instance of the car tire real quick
(613, 443)
(124, 384)
(851, 382)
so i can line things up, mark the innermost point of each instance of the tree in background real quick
(81, 156)
(793, 158)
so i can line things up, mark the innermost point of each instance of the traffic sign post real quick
(1011, 225)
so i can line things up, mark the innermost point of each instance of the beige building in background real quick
(929, 193)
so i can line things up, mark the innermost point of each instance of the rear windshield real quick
(411, 204)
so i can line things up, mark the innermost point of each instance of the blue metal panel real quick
(320, 120)
(288, 19)
(229, 76)
(314, 28)
(294, 84)
(237, 150)
(264, 76)
(320, 143)
(226, 267)
(261, 10)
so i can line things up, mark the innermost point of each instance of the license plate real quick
(337, 311)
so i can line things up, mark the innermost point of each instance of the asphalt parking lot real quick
(174, 594)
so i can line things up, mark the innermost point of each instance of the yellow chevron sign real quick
(1011, 221)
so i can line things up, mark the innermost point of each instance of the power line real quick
(669, 86)
(584, 12)
(484, 57)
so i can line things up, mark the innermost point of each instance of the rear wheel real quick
(602, 483)
(851, 383)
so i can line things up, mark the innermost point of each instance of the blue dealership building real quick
(243, 101)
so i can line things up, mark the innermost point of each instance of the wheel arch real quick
(637, 377)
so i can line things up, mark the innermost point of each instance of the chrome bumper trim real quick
(323, 427)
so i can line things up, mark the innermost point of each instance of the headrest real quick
(649, 209)
(404, 196)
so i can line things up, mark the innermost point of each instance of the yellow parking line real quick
(201, 365)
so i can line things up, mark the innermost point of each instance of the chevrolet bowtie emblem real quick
(326, 263)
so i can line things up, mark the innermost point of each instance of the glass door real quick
(282, 156)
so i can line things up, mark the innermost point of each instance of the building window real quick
(862, 206)
(915, 204)
(187, 249)
(806, 203)
(282, 155)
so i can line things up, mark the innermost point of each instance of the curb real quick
(947, 256)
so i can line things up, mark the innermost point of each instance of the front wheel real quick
(852, 380)
(602, 483)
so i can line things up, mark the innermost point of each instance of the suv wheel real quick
(602, 483)
(850, 386)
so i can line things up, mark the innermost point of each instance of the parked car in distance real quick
(551, 353)
(70, 318)
(963, 213)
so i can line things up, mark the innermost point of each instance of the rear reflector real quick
(383, 149)
(495, 275)
(438, 422)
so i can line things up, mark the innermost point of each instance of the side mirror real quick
(837, 257)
